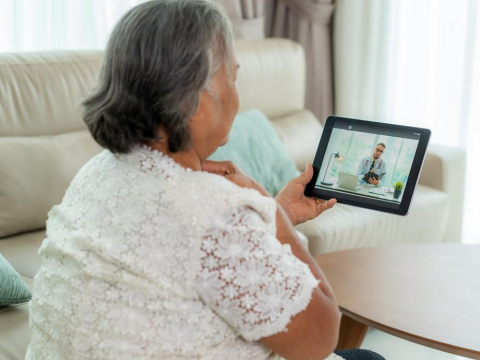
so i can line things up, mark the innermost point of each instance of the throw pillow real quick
(13, 289)
(255, 147)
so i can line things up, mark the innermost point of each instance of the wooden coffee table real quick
(425, 293)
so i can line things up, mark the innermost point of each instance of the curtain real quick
(247, 17)
(415, 62)
(309, 23)
(364, 39)
(34, 25)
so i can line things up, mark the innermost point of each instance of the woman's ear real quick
(199, 114)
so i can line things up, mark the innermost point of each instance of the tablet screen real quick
(369, 164)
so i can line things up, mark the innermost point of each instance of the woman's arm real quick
(313, 333)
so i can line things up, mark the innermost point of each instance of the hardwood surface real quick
(425, 293)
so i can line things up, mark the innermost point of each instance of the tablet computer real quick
(368, 164)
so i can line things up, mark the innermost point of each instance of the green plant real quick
(398, 186)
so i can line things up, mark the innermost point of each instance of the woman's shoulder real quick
(151, 178)
(213, 194)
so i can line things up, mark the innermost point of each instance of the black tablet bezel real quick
(368, 203)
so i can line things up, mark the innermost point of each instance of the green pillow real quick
(12, 288)
(255, 147)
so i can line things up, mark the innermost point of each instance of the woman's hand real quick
(296, 205)
(233, 173)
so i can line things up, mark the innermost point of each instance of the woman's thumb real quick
(305, 177)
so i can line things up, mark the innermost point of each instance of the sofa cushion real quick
(13, 290)
(21, 251)
(41, 92)
(14, 330)
(34, 175)
(271, 76)
(255, 147)
(300, 131)
(348, 227)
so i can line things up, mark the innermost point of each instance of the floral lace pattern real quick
(147, 260)
(249, 278)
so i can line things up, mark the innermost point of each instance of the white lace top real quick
(147, 260)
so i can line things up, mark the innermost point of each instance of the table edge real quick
(437, 345)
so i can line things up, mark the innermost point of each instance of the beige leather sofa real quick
(43, 143)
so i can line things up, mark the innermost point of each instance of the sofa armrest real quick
(310, 230)
(444, 169)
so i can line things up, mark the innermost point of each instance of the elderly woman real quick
(157, 253)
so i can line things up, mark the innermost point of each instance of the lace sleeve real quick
(249, 278)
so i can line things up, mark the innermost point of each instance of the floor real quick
(393, 348)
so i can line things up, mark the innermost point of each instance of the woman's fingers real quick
(219, 167)
(323, 205)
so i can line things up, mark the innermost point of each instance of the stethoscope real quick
(378, 164)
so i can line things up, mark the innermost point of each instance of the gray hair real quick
(161, 55)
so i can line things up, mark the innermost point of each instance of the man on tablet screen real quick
(371, 169)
